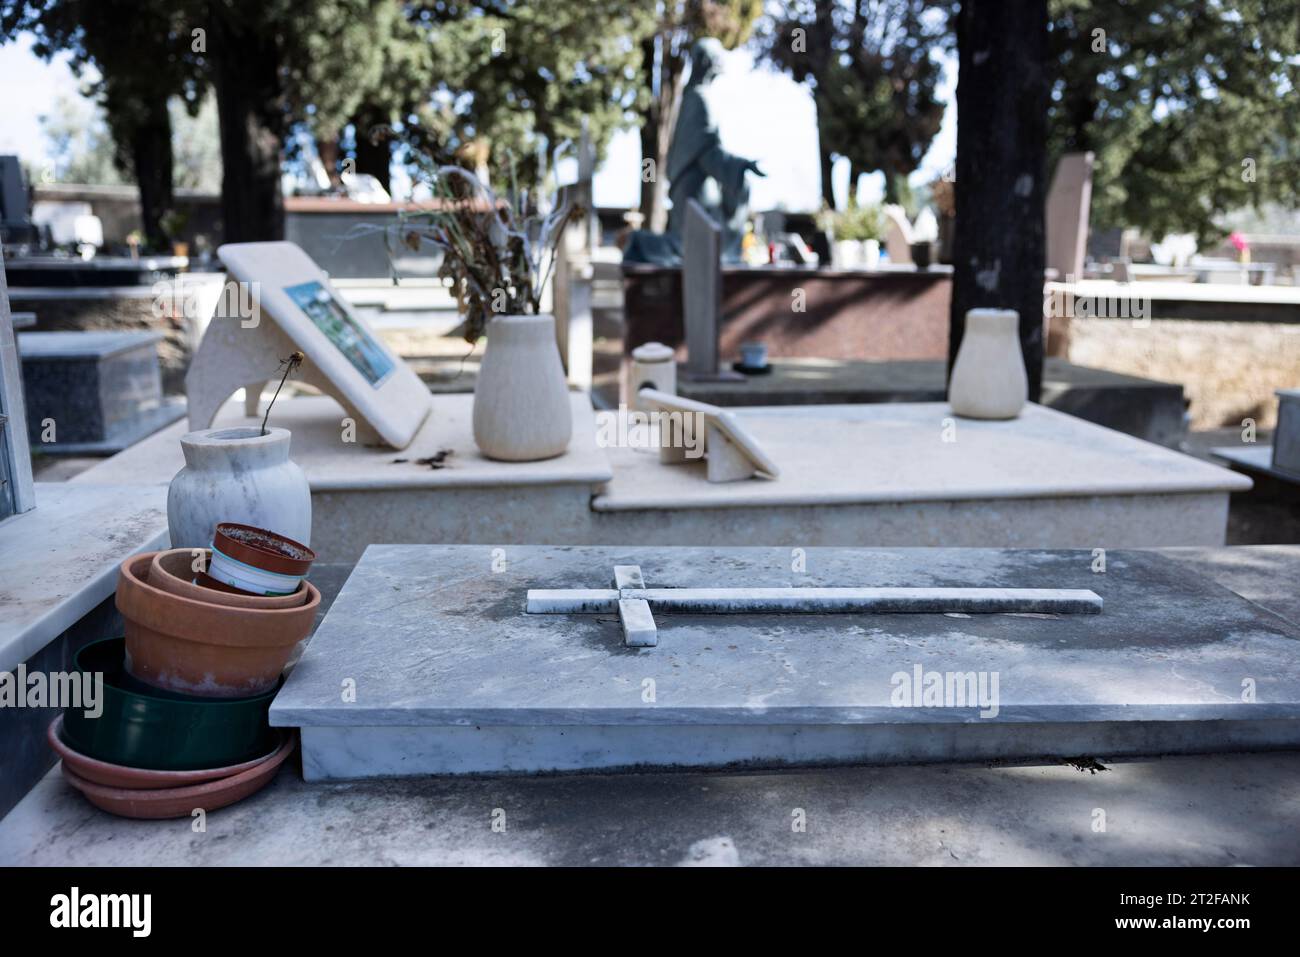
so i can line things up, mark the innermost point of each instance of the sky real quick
(762, 115)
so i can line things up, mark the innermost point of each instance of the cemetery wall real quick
(1229, 370)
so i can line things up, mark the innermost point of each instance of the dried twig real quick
(289, 364)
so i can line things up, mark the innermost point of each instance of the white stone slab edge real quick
(340, 753)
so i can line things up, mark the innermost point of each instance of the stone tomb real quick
(430, 663)
(882, 474)
(101, 390)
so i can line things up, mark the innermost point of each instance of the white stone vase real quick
(521, 401)
(988, 378)
(847, 254)
(237, 475)
(871, 254)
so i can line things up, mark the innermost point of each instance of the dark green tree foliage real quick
(518, 80)
(360, 63)
(1191, 107)
(874, 67)
(140, 50)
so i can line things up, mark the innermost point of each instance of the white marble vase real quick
(846, 254)
(237, 475)
(521, 401)
(988, 378)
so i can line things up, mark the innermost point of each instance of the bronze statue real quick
(698, 167)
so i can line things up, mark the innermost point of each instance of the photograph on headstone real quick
(568, 433)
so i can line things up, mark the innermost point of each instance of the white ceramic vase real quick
(871, 254)
(847, 254)
(237, 475)
(988, 378)
(521, 401)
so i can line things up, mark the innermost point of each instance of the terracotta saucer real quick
(156, 804)
(136, 779)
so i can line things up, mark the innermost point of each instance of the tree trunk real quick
(822, 50)
(663, 79)
(998, 244)
(251, 116)
(828, 169)
(151, 162)
(373, 158)
(649, 136)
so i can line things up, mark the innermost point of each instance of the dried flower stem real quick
(289, 364)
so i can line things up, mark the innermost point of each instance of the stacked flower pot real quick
(186, 692)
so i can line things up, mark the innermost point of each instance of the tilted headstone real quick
(731, 453)
(279, 302)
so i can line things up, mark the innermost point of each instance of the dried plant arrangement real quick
(497, 254)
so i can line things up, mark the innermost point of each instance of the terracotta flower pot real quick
(173, 570)
(200, 648)
(258, 561)
(159, 803)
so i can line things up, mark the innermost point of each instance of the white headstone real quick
(898, 235)
(701, 289)
(1068, 201)
(294, 308)
(730, 452)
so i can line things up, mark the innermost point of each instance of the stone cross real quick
(636, 604)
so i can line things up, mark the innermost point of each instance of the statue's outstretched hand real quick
(752, 166)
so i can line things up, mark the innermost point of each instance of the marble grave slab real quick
(429, 663)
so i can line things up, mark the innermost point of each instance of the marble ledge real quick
(889, 453)
(325, 716)
(60, 560)
(334, 465)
